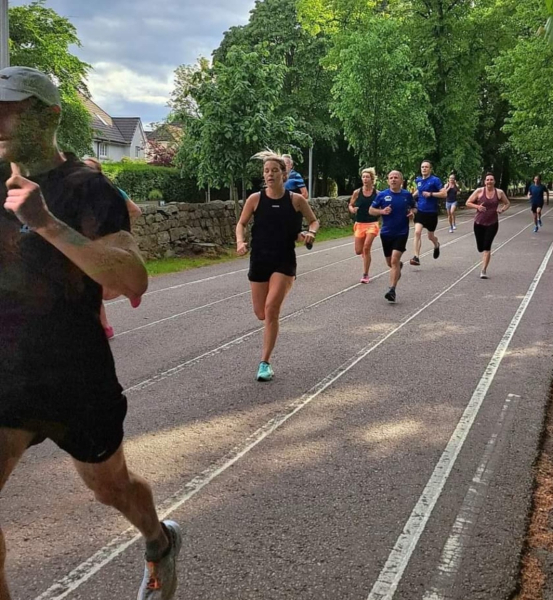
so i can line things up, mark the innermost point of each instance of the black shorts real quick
(485, 235)
(89, 429)
(389, 244)
(429, 221)
(535, 207)
(261, 270)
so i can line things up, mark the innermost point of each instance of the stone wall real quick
(179, 228)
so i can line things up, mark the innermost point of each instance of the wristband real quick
(312, 232)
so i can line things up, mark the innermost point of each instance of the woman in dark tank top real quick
(486, 200)
(451, 202)
(277, 220)
(366, 227)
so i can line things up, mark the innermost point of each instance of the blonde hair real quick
(269, 155)
(371, 172)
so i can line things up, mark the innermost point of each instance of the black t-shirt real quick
(50, 331)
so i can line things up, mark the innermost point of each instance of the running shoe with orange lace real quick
(160, 578)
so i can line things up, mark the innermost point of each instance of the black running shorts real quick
(261, 270)
(429, 221)
(89, 429)
(485, 235)
(536, 206)
(389, 244)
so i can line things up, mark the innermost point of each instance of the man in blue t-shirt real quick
(535, 193)
(396, 206)
(429, 190)
(294, 182)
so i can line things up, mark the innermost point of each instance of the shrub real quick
(139, 179)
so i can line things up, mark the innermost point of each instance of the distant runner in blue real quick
(396, 206)
(295, 182)
(535, 193)
(429, 190)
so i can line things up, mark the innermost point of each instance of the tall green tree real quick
(523, 74)
(306, 82)
(378, 97)
(232, 113)
(40, 38)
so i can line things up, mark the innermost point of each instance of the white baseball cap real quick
(20, 83)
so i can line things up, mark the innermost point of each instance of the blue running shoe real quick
(536, 229)
(265, 372)
(539, 222)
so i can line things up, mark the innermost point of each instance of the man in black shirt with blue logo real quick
(64, 241)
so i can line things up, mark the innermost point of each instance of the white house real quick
(115, 137)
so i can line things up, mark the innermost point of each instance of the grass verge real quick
(164, 266)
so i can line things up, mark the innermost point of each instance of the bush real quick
(139, 179)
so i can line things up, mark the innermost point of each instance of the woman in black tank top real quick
(277, 222)
(366, 227)
(451, 202)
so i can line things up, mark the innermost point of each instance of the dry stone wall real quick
(179, 228)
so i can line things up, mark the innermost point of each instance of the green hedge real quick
(139, 179)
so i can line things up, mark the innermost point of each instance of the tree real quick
(234, 114)
(378, 98)
(523, 74)
(40, 38)
(306, 83)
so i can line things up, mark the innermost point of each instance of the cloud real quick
(134, 46)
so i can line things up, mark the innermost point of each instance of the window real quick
(137, 151)
(102, 150)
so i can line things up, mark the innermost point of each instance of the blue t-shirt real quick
(536, 193)
(295, 182)
(431, 184)
(396, 223)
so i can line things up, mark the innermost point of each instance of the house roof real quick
(168, 132)
(117, 130)
(127, 126)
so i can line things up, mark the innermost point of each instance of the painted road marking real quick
(392, 573)
(68, 584)
(452, 554)
(213, 277)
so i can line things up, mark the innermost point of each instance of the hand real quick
(410, 214)
(308, 238)
(426, 194)
(26, 201)
(353, 209)
(387, 210)
(241, 248)
(480, 208)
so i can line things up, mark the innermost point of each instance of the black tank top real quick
(363, 203)
(452, 194)
(276, 225)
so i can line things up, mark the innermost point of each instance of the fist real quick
(426, 194)
(387, 210)
(241, 248)
(25, 200)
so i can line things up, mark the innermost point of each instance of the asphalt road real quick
(390, 457)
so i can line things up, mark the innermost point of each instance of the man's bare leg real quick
(114, 485)
(13, 443)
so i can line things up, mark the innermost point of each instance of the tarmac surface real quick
(391, 457)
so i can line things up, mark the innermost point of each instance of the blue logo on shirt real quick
(25, 229)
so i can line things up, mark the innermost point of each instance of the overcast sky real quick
(135, 46)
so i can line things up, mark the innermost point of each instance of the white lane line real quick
(213, 277)
(233, 296)
(197, 308)
(206, 279)
(392, 573)
(452, 554)
(65, 586)
(178, 368)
